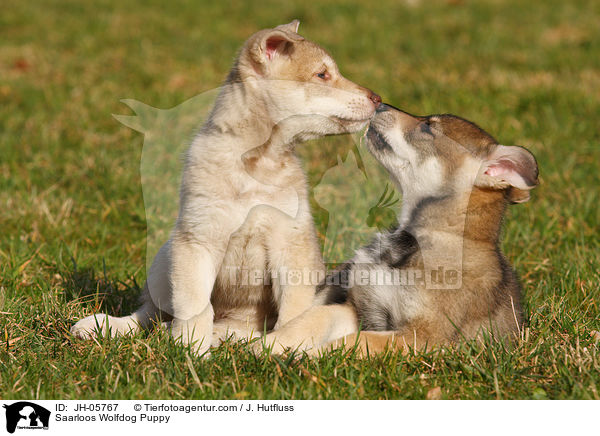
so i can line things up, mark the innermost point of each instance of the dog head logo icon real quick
(26, 415)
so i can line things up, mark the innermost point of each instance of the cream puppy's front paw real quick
(278, 344)
(258, 348)
(193, 333)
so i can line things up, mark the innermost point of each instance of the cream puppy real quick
(244, 232)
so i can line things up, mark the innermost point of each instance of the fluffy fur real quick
(439, 276)
(244, 220)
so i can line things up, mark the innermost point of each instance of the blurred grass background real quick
(72, 219)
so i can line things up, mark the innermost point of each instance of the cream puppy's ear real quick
(289, 27)
(271, 45)
(509, 166)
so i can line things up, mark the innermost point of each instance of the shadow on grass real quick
(103, 294)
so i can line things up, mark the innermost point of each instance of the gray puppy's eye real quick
(425, 127)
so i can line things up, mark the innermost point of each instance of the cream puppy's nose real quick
(375, 98)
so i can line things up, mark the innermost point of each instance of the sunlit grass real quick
(72, 218)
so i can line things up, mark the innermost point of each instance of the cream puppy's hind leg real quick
(115, 326)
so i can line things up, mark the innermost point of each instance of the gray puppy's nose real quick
(382, 108)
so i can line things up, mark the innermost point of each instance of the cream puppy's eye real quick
(323, 75)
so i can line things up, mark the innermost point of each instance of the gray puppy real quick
(440, 275)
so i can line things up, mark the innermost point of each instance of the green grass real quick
(72, 217)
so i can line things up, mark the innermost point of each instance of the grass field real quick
(72, 217)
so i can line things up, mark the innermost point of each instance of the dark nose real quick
(382, 108)
(376, 99)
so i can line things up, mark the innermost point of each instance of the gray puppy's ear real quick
(516, 195)
(509, 166)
